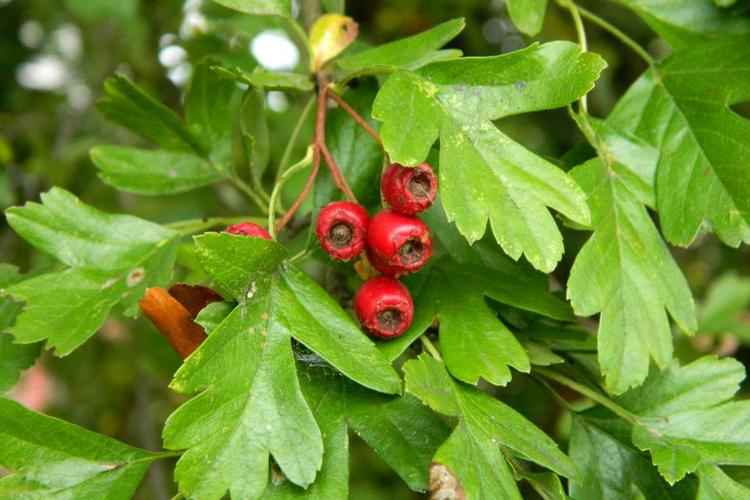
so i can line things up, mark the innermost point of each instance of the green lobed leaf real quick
(112, 259)
(251, 407)
(487, 421)
(527, 15)
(685, 419)
(682, 110)
(546, 484)
(83, 237)
(610, 469)
(259, 7)
(192, 154)
(243, 268)
(715, 484)
(213, 314)
(208, 114)
(402, 431)
(65, 308)
(685, 24)
(261, 78)
(14, 358)
(239, 265)
(484, 175)
(478, 463)
(322, 391)
(410, 52)
(719, 435)
(313, 317)
(52, 458)
(128, 105)
(723, 307)
(625, 271)
(633, 157)
(474, 342)
(705, 382)
(255, 131)
(152, 172)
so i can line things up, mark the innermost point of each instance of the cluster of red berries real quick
(397, 243)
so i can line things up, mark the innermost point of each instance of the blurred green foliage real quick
(55, 56)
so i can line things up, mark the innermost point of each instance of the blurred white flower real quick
(274, 51)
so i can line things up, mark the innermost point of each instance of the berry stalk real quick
(356, 116)
(319, 148)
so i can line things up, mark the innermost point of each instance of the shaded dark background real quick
(54, 57)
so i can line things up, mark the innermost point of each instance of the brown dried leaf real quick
(173, 313)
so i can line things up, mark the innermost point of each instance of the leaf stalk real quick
(304, 162)
(589, 393)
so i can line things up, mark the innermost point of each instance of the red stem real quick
(357, 117)
(305, 191)
(320, 148)
(338, 178)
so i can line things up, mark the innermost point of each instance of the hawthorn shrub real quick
(396, 274)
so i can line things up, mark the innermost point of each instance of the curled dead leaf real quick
(173, 313)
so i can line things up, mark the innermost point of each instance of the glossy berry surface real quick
(409, 190)
(249, 229)
(342, 229)
(398, 244)
(384, 307)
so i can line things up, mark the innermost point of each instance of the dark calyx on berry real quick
(412, 252)
(341, 229)
(409, 190)
(398, 244)
(248, 229)
(390, 319)
(340, 235)
(384, 307)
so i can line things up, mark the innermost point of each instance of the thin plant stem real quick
(304, 162)
(310, 11)
(589, 393)
(190, 226)
(319, 149)
(300, 34)
(430, 347)
(287, 156)
(320, 140)
(250, 192)
(320, 117)
(555, 395)
(581, 35)
(357, 117)
(338, 178)
(617, 33)
(299, 255)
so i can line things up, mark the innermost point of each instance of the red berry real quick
(342, 229)
(249, 229)
(409, 190)
(398, 244)
(384, 307)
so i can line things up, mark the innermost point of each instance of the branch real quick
(357, 117)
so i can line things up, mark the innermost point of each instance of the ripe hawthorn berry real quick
(249, 229)
(342, 229)
(409, 190)
(384, 307)
(398, 244)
